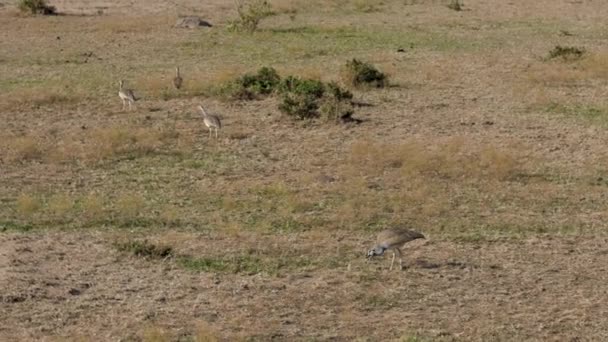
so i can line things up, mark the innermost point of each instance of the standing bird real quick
(211, 121)
(126, 95)
(177, 80)
(395, 239)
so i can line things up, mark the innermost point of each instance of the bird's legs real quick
(209, 132)
(400, 259)
(392, 261)
(216, 133)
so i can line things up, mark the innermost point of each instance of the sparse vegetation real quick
(497, 156)
(36, 7)
(250, 14)
(145, 249)
(566, 53)
(361, 74)
(455, 5)
(308, 99)
(251, 86)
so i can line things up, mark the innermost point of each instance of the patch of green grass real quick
(145, 249)
(15, 226)
(246, 264)
(566, 53)
(591, 113)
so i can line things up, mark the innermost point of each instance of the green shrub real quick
(250, 13)
(456, 5)
(337, 103)
(264, 82)
(36, 7)
(251, 86)
(360, 74)
(308, 99)
(567, 53)
(300, 97)
(145, 249)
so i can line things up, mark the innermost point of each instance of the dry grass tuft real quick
(27, 205)
(129, 206)
(24, 149)
(92, 208)
(60, 204)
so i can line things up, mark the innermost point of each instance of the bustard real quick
(177, 80)
(211, 121)
(126, 95)
(393, 239)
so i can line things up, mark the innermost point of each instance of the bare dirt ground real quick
(491, 149)
(536, 289)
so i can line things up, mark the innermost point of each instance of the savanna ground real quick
(136, 226)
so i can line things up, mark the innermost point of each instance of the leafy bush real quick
(337, 103)
(358, 74)
(145, 249)
(307, 99)
(252, 86)
(300, 97)
(567, 53)
(456, 5)
(250, 13)
(264, 82)
(36, 7)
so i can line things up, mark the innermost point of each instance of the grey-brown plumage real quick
(177, 80)
(126, 95)
(211, 121)
(393, 239)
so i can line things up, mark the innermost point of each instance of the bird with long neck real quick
(177, 80)
(393, 239)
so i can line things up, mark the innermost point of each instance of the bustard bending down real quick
(211, 121)
(126, 95)
(395, 239)
(177, 80)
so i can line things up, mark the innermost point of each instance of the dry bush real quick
(454, 158)
(593, 66)
(205, 333)
(170, 215)
(250, 14)
(129, 205)
(60, 204)
(92, 208)
(27, 205)
(38, 97)
(24, 148)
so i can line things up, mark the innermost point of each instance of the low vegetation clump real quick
(37, 7)
(361, 74)
(566, 53)
(309, 99)
(252, 86)
(145, 249)
(250, 13)
(300, 98)
(455, 5)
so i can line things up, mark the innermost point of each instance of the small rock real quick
(74, 292)
(191, 22)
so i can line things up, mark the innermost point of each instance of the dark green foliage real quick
(337, 103)
(145, 249)
(567, 53)
(250, 13)
(456, 5)
(252, 86)
(307, 99)
(36, 7)
(264, 82)
(300, 97)
(361, 74)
